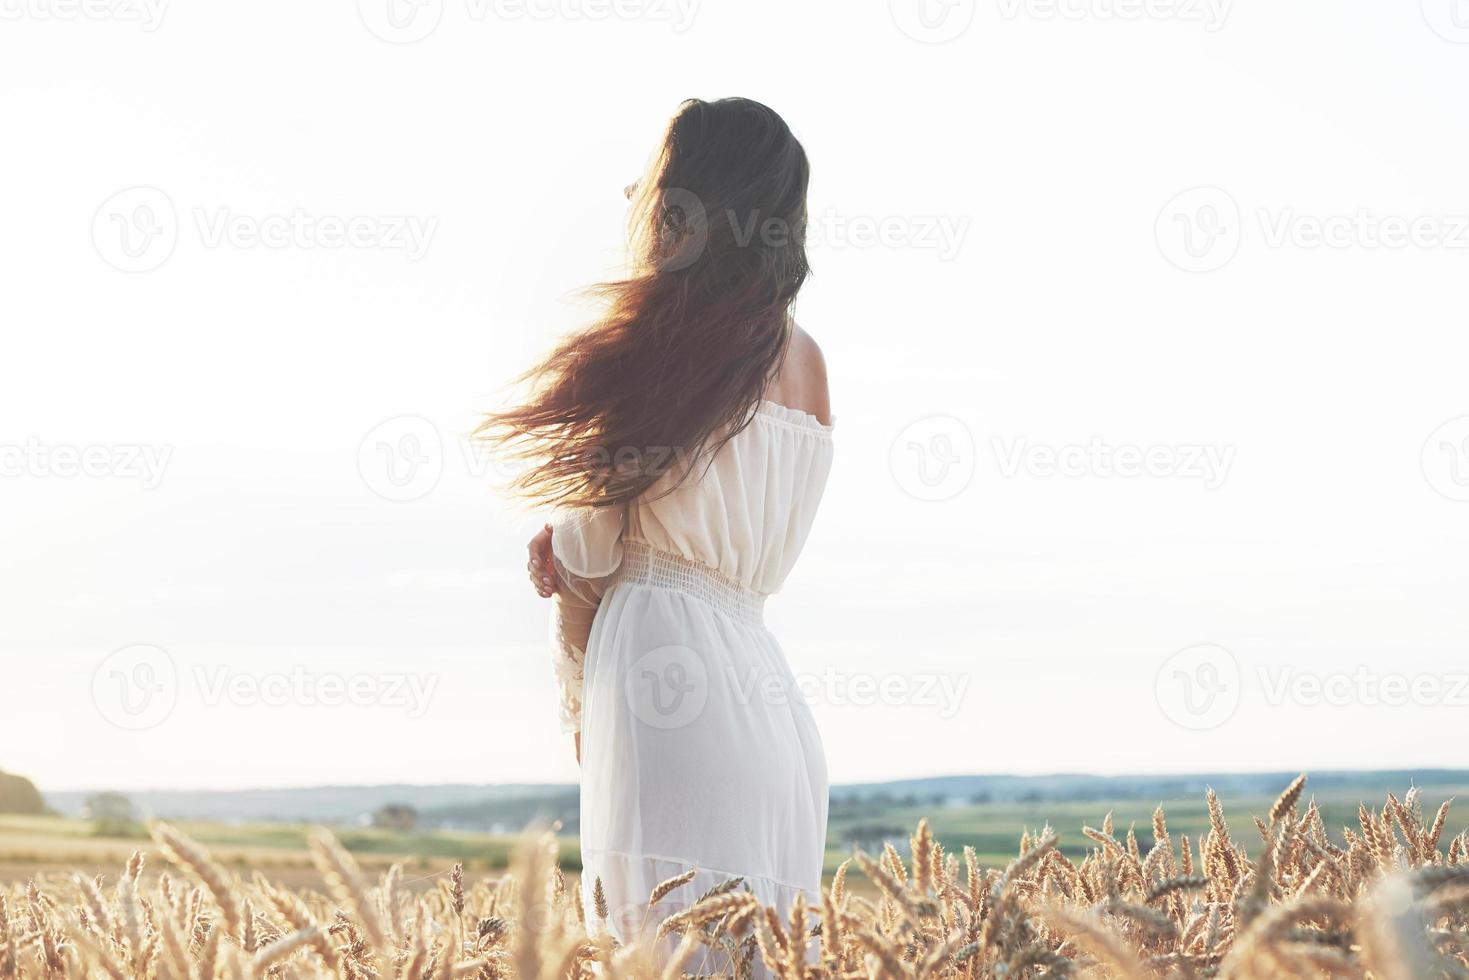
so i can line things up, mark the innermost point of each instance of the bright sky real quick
(1218, 246)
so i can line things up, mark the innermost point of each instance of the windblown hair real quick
(691, 336)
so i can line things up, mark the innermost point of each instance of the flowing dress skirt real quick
(698, 751)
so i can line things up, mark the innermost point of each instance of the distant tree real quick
(395, 816)
(872, 836)
(19, 795)
(112, 814)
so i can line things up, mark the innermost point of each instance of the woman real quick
(685, 439)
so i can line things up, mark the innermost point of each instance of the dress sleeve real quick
(586, 545)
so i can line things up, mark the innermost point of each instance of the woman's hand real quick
(542, 566)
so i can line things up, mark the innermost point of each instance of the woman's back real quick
(746, 515)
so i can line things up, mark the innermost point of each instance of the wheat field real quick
(1392, 903)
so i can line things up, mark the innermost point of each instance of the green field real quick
(994, 829)
(32, 845)
(38, 844)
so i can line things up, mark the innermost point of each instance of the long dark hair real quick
(692, 335)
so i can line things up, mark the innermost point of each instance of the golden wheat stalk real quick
(344, 880)
(663, 888)
(193, 859)
(706, 911)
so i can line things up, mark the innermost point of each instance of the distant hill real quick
(324, 804)
(1077, 788)
(511, 807)
(19, 795)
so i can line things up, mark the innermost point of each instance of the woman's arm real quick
(575, 559)
(575, 609)
(541, 565)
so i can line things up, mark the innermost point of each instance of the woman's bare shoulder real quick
(801, 381)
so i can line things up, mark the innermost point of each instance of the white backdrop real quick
(1145, 322)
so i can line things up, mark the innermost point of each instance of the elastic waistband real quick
(644, 565)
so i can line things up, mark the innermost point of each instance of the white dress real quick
(697, 750)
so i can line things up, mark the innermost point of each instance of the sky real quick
(1144, 322)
